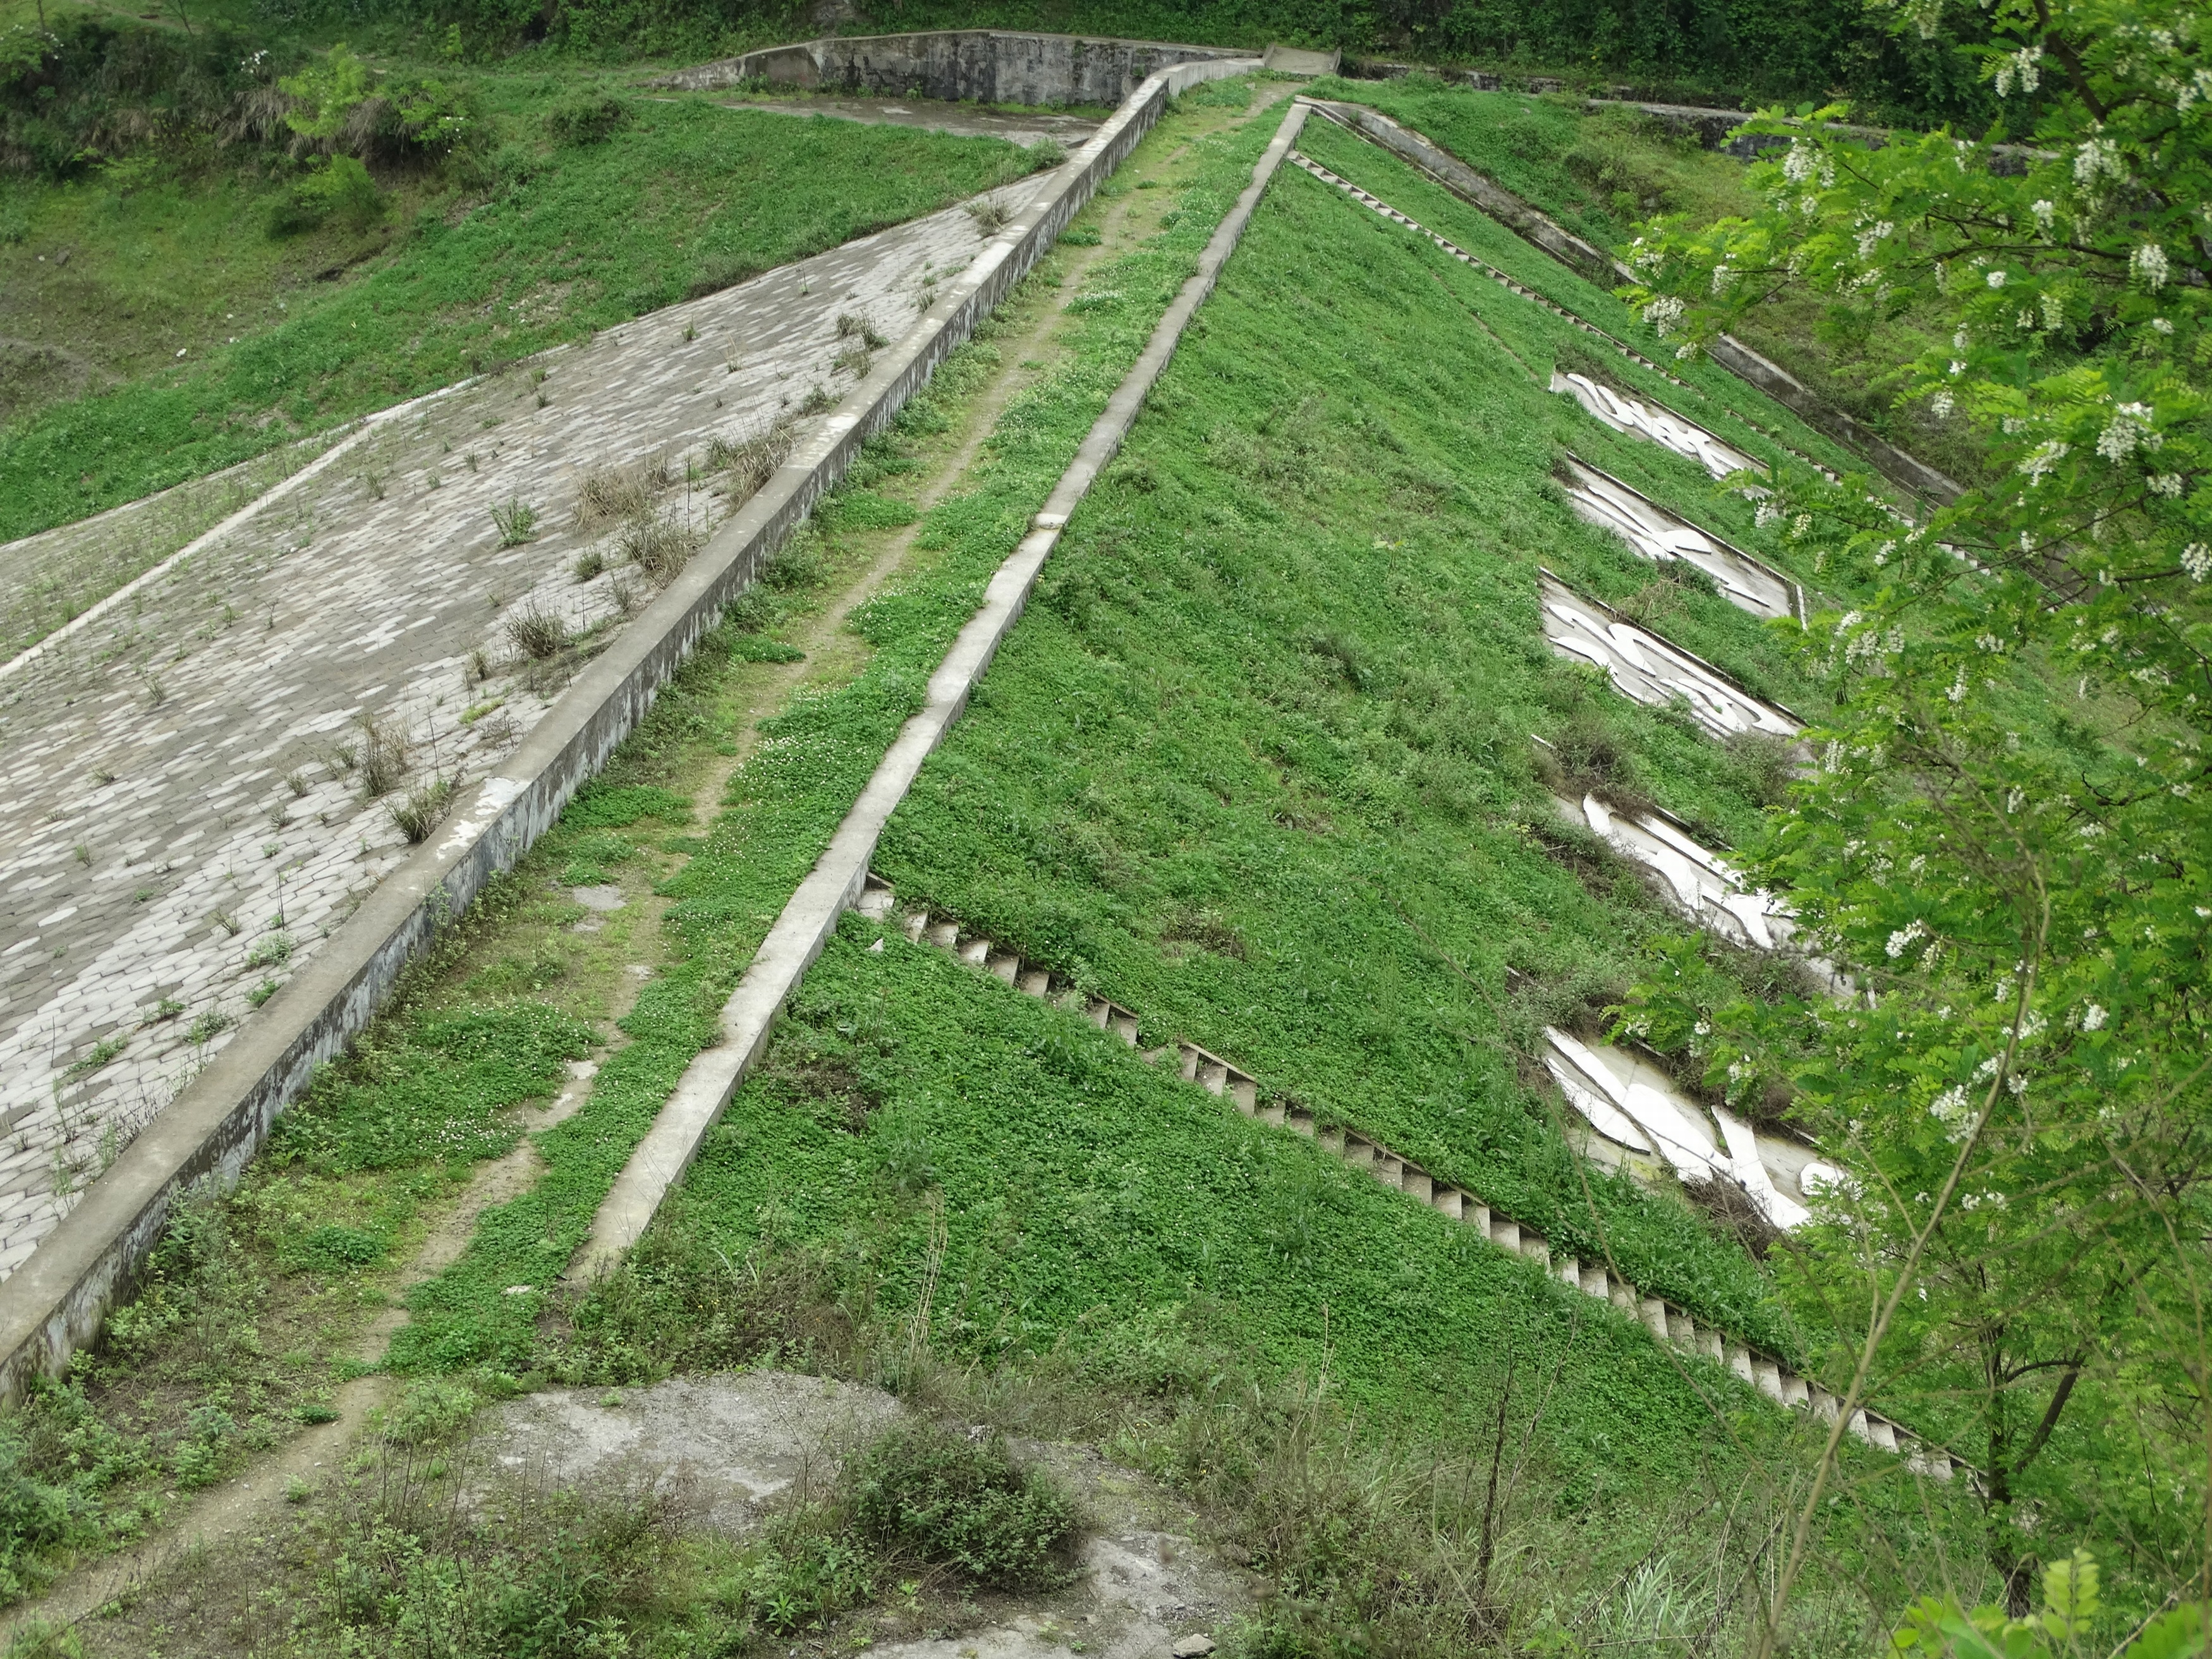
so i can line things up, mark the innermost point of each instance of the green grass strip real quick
(1257, 761)
(787, 800)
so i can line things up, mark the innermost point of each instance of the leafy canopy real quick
(2004, 840)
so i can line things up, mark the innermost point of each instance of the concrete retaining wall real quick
(55, 1302)
(995, 66)
(836, 881)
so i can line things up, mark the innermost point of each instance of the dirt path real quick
(251, 1502)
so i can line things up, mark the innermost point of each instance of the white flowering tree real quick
(2005, 841)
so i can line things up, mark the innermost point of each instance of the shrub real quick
(587, 119)
(340, 192)
(963, 1503)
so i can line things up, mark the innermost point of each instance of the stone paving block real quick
(150, 751)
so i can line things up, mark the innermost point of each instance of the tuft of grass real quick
(517, 522)
(660, 547)
(423, 810)
(380, 757)
(537, 634)
(750, 462)
(990, 216)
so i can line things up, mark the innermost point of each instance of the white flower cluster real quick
(1942, 404)
(1903, 938)
(2098, 158)
(2130, 426)
(2197, 560)
(1951, 1110)
(1801, 163)
(1995, 279)
(2092, 1018)
(2043, 461)
(2054, 309)
(2149, 266)
(1871, 235)
(2023, 68)
(2164, 483)
(1664, 314)
(2045, 213)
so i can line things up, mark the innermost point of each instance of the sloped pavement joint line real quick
(1764, 1372)
(54, 1303)
(837, 880)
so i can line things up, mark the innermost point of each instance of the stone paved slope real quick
(177, 823)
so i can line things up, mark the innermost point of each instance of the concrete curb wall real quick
(1666, 1322)
(836, 881)
(996, 66)
(54, 1303)
(1540, 229)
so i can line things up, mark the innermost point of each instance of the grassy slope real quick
(1602, 174)
(785, 802)
(1277, 689)
(573, 240)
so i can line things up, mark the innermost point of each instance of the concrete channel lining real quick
(838, 878)
(55, 1302)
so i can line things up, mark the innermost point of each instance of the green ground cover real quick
(1258, 760)
(545, 242)
(784, 803)
(1602, 174)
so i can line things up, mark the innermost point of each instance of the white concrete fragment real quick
(1646, 669)
(1661, 425)
(1663, 537)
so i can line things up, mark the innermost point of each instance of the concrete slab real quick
(1664, 538)
(1300, 60)
(1647, 669)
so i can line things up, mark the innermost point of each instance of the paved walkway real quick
(183, 811)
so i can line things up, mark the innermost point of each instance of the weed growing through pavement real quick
(537, 634)
(423, 810)
(990, 216)
(517, 521)
(658, 547)
(381, 757)
(750, 462)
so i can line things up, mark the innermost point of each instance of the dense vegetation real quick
(1257, 762)
(208, 285)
